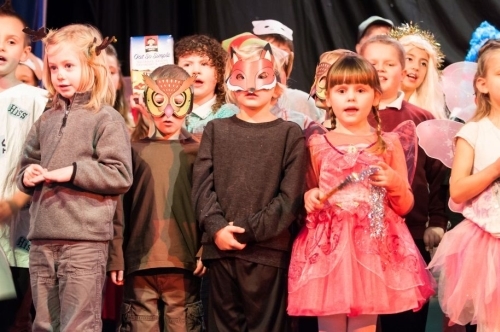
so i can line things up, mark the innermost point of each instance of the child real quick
(76, 161)
(247, 189)
(421, 82)
(205, 57)
(157, 238)
(372, 26)
(427, 220)
(468, 257)
(115, 72)
(280, 58)
(30, 70)
(281, 36)
(355, 248)
(20, 106)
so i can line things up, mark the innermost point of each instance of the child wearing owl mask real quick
(155, 251)
(247, 192)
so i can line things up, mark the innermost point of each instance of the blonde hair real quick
(252, 51)
(429, 95)
(386, 40)
(483, 101)
(354, 69)
(332, 56)
(95, 76)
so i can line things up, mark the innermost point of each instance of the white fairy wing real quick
(436, 138)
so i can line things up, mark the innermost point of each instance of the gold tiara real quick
(409, 29)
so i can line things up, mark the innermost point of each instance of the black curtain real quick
(318, 25)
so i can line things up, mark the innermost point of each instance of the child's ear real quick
(278, 91)
(481, 85)
(24, 55)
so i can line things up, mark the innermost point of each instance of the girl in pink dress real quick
(468, 258)
(355, 258)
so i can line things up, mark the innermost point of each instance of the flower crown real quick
(480, 36)
(410, 29)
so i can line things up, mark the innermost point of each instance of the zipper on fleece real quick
(66, 112)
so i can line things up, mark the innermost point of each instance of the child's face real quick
(385, 59)
(12, 49)
(352, 103)
(26, 75)
(65, 69)
(204, 86)
(168, 127)
(256, 101)
(114, 71)
(490, 83)
(417, 62)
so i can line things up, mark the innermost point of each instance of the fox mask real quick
(252, 75)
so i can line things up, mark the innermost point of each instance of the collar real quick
(396, 103)
(204, 110)
(79, 99)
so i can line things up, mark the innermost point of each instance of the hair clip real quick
(105, 43)
(35, 35)
(7, 7)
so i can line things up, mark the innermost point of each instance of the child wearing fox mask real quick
(246, 201)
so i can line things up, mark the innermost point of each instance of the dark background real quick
(318, 25)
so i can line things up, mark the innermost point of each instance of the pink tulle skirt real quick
(468, 264)
(339, 267)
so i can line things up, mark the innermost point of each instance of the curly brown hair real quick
(203, 45)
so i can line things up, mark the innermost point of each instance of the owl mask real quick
(169, 96)
(318, 89)
(252, 75)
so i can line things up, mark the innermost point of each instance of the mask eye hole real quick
(322, 82)
(158, 99)
(179, 99)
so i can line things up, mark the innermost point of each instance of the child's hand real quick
(224, 238)
(385, 177)
(117, 277)
(59, 175)
(33, 175)
(432, 237)
(200, 268)
(312, 199)
(136, 101)
(5, 210)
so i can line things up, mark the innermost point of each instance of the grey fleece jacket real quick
(97, 144)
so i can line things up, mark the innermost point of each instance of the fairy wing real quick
(436, 138)
(408, 138)
(458, 88)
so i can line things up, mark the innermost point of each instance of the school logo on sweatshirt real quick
(17, 111)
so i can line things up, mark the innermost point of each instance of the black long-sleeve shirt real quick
(252, 174)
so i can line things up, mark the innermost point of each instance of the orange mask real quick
(252, 75)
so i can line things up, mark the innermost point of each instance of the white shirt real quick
(20, 107)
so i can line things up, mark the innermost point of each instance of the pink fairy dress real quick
(356, 255)
(468, 257)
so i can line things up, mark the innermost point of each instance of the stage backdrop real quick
(318, 25)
